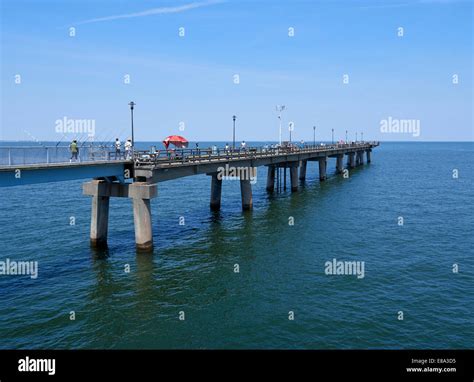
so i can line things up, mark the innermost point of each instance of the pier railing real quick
(181, 156)
(23, 155)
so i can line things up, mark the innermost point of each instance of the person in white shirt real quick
(117, 148)
(243, 144)
(128, 149)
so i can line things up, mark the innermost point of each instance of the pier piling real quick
(140, 192)
(216, 191)
(303, 165)
(271, 179)
(294, 178)
(351, 160)
(142, 222)
(246, 192)
(339, 163)
(322, 168)
(99, 216)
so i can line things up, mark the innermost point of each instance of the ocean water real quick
(408, 268)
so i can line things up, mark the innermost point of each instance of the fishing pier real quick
(137, 178)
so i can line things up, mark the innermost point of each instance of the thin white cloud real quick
(153, 11)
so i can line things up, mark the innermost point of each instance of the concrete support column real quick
(351, 160)
(271, 179)
(360, 158)
(246, 192)
(141, 193)
(216, 191)
(340, 163)
(303, 169)
(294, 178)
(368, 155)
(99, 216)
(322, 168)
(142, 221)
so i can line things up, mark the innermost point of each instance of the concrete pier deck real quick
(193, 164)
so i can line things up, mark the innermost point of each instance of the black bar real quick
(325, 365)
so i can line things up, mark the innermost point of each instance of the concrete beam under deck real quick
(58, 172)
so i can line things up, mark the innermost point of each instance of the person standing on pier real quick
(243, 145)
(128, 149)
(117, 148)
(226, 147)
(74, 150)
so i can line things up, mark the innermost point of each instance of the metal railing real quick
(24, 155)
(144, 158)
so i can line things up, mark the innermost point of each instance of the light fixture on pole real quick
(314, 135)
(362, 136)
(356, 136)
(132, 105)
(346, 136)
(233, 134)
(291, 127)
(279, 109)
(332, 130)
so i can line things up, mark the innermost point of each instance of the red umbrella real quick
(176, 140)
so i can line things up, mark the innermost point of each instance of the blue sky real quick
(190, 79)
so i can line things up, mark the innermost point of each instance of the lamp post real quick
(280, 108)
(362, 136)
(132, 104)
(356, 136)
(233, 134)
(346, 136)
(290, 128)
(314, 135)
(332, 130)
